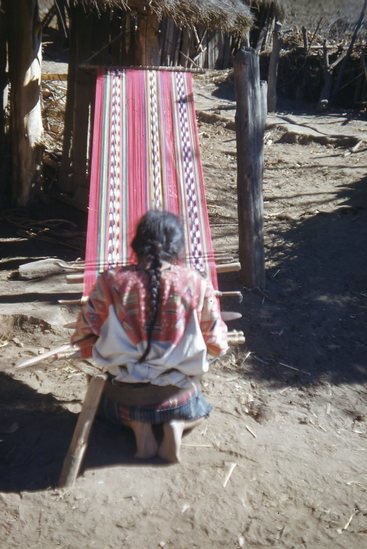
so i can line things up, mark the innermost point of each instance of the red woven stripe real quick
(169, 168)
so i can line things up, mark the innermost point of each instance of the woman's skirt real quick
(124, 402)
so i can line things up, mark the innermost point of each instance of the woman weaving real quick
(151, 326)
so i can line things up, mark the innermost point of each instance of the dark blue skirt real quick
(187, 405)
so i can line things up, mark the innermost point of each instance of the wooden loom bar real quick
(91, 67)
(84, 299)
(77, 278)
(237, 294)
(226, 316)
(70, 351)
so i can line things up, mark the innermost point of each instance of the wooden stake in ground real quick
(273, 67)
(79, 442)
(250, 125)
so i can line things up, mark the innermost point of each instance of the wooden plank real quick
(53, 76)
(79, 442)
(250, 125)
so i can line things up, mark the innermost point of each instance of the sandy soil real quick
(289, 417)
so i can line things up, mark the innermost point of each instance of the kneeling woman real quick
(152, 326)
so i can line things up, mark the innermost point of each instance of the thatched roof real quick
(226, 15)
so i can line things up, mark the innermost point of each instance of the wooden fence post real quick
(250, 123)
(273, 67)
(3, 98)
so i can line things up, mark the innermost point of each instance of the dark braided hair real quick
(159, 237)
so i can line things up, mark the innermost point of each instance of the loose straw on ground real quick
(231, 469)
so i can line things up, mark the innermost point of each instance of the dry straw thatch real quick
(225, 15)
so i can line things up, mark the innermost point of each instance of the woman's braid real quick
(154, 274)
(159, 237)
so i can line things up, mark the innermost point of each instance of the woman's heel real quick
(146, 444)
(170, 448)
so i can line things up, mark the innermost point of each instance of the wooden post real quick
(305, 40)
(324, 98)
(273, 67)
(250, 159)
(3, 99)
(79, 442)
(148, 44)
(25, 54)
(74, 166)
(264, 101)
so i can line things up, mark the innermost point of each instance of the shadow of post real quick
(310, 325)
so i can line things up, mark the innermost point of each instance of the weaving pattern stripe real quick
(145, 154)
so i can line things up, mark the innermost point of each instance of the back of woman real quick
(153, 325)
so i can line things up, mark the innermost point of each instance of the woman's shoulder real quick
(121, 273)
(188, 274)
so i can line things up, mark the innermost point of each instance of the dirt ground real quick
(281, 462)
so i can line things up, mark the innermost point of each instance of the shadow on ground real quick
(310, 323)
(31, 457)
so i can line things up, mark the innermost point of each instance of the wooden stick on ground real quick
(79, 442)
(65, 351)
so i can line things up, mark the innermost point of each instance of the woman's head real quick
(158, 234)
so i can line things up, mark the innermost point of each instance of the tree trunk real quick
(25, 78)
(250, 124)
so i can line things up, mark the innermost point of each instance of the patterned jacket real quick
(112, 326)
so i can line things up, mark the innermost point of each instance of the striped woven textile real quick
(145, 154)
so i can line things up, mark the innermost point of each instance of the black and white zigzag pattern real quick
(155, 140)
(193, 211)
(114, 200)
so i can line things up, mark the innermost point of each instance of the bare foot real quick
(146, 444)
(170, 448)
